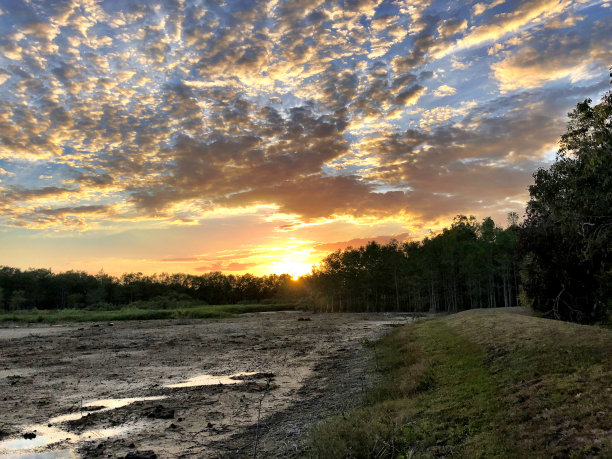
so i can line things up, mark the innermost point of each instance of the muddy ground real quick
(61, 383)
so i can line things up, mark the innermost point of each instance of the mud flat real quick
(205, 388)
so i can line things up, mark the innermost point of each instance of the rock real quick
(161, 412)
(148, 454)
(29, 435)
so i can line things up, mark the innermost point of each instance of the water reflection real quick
(46, 436)
(99, 406)
(24, 443)
(210, 380)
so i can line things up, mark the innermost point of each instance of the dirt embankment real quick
(102, 390)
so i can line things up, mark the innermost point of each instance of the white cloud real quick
(480, 8)
(444, 90)
(570, 56)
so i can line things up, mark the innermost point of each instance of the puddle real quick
(99, 406)
(46, 436)
(210, 380)
(23, 443)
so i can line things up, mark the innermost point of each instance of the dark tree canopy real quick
(42, 289)
(567, 236)
(468, 265)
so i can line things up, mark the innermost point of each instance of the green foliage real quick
(17, 300)
(465, 266)
(172, 300)
(485, 383)
(143, 312)
(567, 236)
(44, 290)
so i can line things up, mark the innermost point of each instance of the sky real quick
(259, 136)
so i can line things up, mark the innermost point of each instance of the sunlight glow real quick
(295, 269)
(295, 258)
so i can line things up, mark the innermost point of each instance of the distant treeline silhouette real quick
(42, 289)
(469, 265)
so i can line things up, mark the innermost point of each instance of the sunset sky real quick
(253, 136)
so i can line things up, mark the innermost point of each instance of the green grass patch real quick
(484, 383)
(136, 313)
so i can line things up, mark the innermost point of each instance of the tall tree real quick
(567, 236)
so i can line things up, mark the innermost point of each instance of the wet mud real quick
(165, 389)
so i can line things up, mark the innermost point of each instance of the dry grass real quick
(483, 383)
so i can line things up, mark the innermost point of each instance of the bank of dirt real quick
(300, 368)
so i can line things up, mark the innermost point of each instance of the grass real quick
(132, 313)
(483, 383)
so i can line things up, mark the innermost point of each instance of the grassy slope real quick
(130, 313)
(483, 383)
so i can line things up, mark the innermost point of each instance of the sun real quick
(295, 269)
(295, 258)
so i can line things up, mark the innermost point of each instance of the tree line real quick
(566, 239)
(469, 265)
(43, 289)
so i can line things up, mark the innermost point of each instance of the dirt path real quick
(102, 390)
